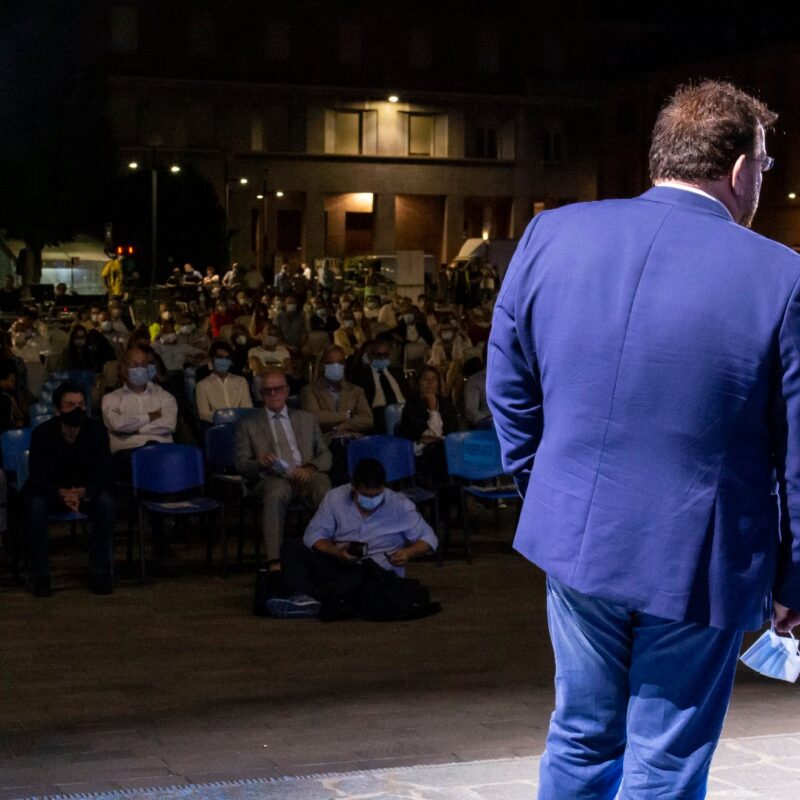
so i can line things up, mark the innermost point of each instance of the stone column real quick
(383, 239)
(521, 214)
(453, 226)
(313, 243)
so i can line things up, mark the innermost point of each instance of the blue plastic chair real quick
(39, 419)
(397, 456)
(227, 416)
(13, 442)
(475, 456)
(37, 409)
(170, 469)
(391, 415)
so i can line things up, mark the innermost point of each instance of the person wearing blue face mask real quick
(136, 414)
(340, 408)
(355, 522)
(221, 389)
(383, 384)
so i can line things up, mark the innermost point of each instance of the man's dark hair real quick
(218, 346)
(66, 387)
(703, 129)
(369, 473)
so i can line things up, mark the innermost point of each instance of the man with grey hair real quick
(647, 353)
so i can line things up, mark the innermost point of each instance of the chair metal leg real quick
(141, 544)
(221, 514)
(240, 549)
(209, 533)
(465, 527)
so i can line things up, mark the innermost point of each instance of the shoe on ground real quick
(40, 587)
(299, 606)
(101, 584)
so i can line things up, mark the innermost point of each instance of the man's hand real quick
(399, 558)
(301, 475)
(154, 415)
(267, 459)
(72, 498)
(783, 618)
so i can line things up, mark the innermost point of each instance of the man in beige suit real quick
(340, 408)
(282, 453)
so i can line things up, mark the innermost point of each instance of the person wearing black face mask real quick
(70, 466)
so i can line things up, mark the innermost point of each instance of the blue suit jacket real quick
(647, 352)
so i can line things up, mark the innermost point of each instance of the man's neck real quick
(711, 189)
(136, 389)
(279, 412)
(70, 433)
(334, 386)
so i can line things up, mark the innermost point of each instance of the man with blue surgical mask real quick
(340, 408)
(221, 389)
(358, 521)
(140, 412)
(383, 385)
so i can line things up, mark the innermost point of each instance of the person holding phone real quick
(360, 521)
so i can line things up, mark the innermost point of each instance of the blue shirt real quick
(395, 523)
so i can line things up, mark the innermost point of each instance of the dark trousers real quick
(100, 509)
(306, 571)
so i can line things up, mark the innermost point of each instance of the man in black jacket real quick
(70, 468)
(383, 385)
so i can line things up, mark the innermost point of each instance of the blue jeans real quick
(640, 701)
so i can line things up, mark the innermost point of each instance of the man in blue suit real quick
(647, 352)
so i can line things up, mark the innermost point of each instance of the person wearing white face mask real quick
(447, 355)
(221, 389)
(359, 521)
(136, 414)
(175, 351)
(348, 336)
(292, 324)
(271, 352)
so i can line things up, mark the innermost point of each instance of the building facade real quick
(359, 128)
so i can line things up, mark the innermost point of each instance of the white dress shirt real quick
(213, 393)
(126, 415)
(380, 398)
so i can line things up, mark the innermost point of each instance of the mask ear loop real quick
(794, 650)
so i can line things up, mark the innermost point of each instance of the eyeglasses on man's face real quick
(267, 391)
(767, 162)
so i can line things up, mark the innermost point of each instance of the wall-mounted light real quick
(393, 98)
(485, 236)
(259, 197)
(792, 196)
(133, 165)
(279, 193)
(174, 169)
(243, 181)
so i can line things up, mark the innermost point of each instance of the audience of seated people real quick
(203, 357)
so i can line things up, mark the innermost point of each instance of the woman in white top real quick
(271, 351)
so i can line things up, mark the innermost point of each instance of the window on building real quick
(487, 52)
(124, 29)
(350, 44)
(486, 143)
(553, 147)
(420, 53)
(420, 134)
(348, 132)
(278, 40)
(201, 34)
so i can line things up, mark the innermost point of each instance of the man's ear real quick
(737, 177)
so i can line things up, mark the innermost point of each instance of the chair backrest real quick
(226, 416)
(396, 455)
(391, 416)
(167, 468)
(37, 409)
(12, 443)
(414, 356)
(221, 447)
(23, 468)
(473, 455)
(39, 419)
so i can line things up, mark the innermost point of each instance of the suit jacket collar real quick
(685, 199)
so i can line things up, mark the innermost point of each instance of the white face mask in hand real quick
(774, 656)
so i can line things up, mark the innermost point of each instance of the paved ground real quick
(174, 682)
